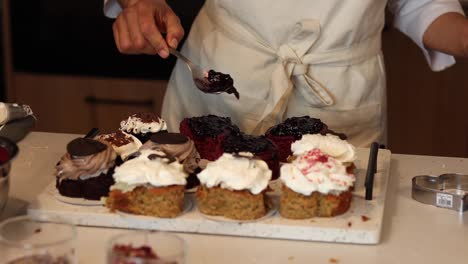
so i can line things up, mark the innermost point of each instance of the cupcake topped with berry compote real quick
(259, 146)
(292, 129)
(208, 132)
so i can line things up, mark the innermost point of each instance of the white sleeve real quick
(413, 17)
(112, 8)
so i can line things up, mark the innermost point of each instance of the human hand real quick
(138, 28)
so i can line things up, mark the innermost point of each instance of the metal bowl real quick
(12, 149)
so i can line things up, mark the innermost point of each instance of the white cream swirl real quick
(236, 173)
(330, 144)
(137, 125)
(316, 171)
(149, 168)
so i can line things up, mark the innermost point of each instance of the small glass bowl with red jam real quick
(8, 151)
(41, 239)
(146, 247)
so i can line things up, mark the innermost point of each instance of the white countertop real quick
(412, 232)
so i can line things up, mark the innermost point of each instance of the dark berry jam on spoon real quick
(217, 82)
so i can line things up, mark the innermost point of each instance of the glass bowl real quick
(146, 247)
(25, 240)
(8, 151)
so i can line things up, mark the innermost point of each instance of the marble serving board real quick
(361, 224)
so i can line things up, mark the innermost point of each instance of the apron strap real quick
(293, 60)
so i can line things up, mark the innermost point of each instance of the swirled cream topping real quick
(186, 153)
(150, 167)
(329, 144)
(236, 172)
(316, 171)
(84, 167)
(124, 144)
(143, 123)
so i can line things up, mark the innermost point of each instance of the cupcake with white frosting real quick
(319, 179)
(150, 183)
(234, 186)
(182, 148)
(143, 125)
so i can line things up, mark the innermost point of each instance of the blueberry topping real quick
(217, 82)
(246, 143)
(211, 125)
(298, 126)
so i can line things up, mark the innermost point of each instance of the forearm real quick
(448, 34)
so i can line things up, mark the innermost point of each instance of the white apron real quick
(287, 58)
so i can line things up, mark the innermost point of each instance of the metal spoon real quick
(201, 77)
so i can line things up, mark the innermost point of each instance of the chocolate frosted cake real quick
(260, 146)
(143, 125)
(180, 147)
(208, 133)
(85, 171)
(292, 129)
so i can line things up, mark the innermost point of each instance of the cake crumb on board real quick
(334, 260)
(365, 218)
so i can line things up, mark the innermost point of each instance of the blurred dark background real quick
(74, 37)
(2, 68)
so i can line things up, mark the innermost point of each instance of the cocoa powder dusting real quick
(147, 117)
(118, 139)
